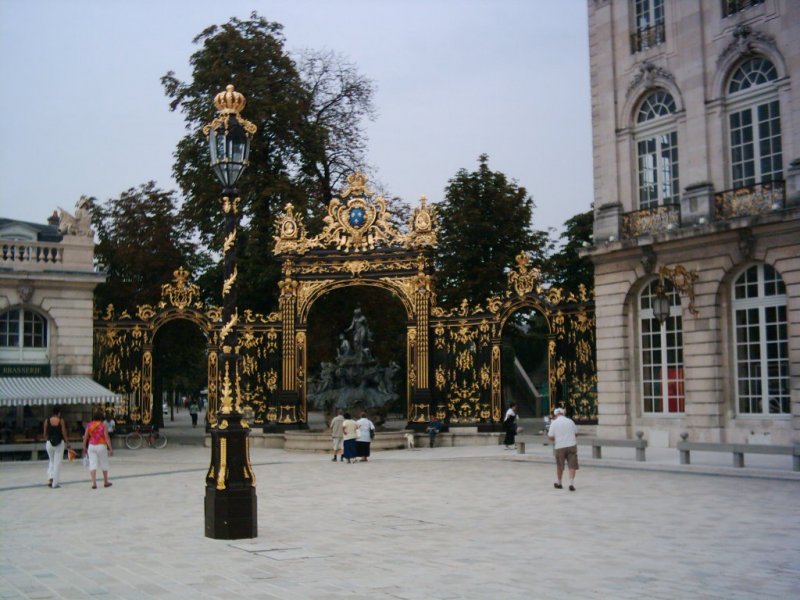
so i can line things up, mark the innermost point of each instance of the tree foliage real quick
(565, 268)
(485, 222)
(141, 242)
(309, 135)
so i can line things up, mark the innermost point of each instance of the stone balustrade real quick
(19, 251)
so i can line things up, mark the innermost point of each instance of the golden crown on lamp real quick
(230, 102)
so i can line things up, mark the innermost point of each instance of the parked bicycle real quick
(145, 435)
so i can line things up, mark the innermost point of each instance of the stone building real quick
(47, 282)
(696, 134)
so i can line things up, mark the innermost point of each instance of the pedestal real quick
(230, 503)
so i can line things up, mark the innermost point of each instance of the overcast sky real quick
(85, 113)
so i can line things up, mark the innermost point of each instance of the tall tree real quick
(335, 142)
(141, 242)
(565, 268)
(485, 222)
(304, 122)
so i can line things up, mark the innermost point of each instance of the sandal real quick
(107, 484)
(94, 487)
(558, 486)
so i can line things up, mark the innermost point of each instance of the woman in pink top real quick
(97, 445)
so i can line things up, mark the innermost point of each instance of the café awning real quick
(40, 391)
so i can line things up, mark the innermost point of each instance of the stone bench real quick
(738, 451)
(597, 444)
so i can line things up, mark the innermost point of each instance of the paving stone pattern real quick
(446, 523)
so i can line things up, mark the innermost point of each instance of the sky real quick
(85, 112)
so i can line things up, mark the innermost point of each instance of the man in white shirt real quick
(562, 432)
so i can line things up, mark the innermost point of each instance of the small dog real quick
(410, 441)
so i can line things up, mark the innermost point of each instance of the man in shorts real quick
(337, 435)
(562, 432)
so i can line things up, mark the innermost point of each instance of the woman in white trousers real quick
(55, 432)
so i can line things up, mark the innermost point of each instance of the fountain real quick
(355, 381)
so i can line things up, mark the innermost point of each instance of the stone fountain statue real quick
(356, 380)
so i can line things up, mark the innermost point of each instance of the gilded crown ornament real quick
(230, 101)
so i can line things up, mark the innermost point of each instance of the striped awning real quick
(38, 391)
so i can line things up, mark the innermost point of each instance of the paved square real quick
(445, 523)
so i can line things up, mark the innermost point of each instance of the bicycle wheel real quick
(133, 440)
(159, 440)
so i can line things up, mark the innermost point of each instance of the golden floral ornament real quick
(358, 225)
(292, 237)
(422, 227)
(524, 279)
(180, 293)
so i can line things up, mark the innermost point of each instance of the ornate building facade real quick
(696, 135)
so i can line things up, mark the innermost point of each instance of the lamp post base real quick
(231, 514)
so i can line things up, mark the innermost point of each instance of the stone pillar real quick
(606, 222)
(697, 204)
(793, 184)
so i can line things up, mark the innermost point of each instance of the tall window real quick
(23, 335)
(657, 151)
(755, 124)
(662, 354)
(648, 25)
(762, 345)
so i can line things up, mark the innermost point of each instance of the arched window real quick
(23, 335)
(755, 124)
(762, 343)
(657, 150)
(661, 354)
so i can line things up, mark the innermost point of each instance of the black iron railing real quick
(648, 37)
(750, 200)
(651, 220)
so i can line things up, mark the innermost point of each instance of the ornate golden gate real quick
(453, 357)
(123, 350)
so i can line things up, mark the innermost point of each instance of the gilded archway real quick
(124, 350)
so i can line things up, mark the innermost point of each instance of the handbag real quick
(71, 454)
(86, 460)
(372, 434)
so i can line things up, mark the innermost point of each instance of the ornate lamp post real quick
(230, 503)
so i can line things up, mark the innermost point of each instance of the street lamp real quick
(230, 503)
(661, 305)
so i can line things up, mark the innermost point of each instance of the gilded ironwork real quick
(422, 226)
(651, 220)
(123, 351)
(750, 201)
(180, 292)
(356, 222)
(524, 278)
(682, 281)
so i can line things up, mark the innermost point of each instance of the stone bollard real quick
(684, 454)
(640, 449)
(520, 447)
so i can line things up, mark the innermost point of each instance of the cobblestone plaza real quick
(442, 523)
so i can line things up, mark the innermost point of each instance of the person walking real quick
(336, 435)
(349, 435)
(193, 410)
(510, 425)
(366, 431)
(563, 432)
(55, 432)
(97, 444)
